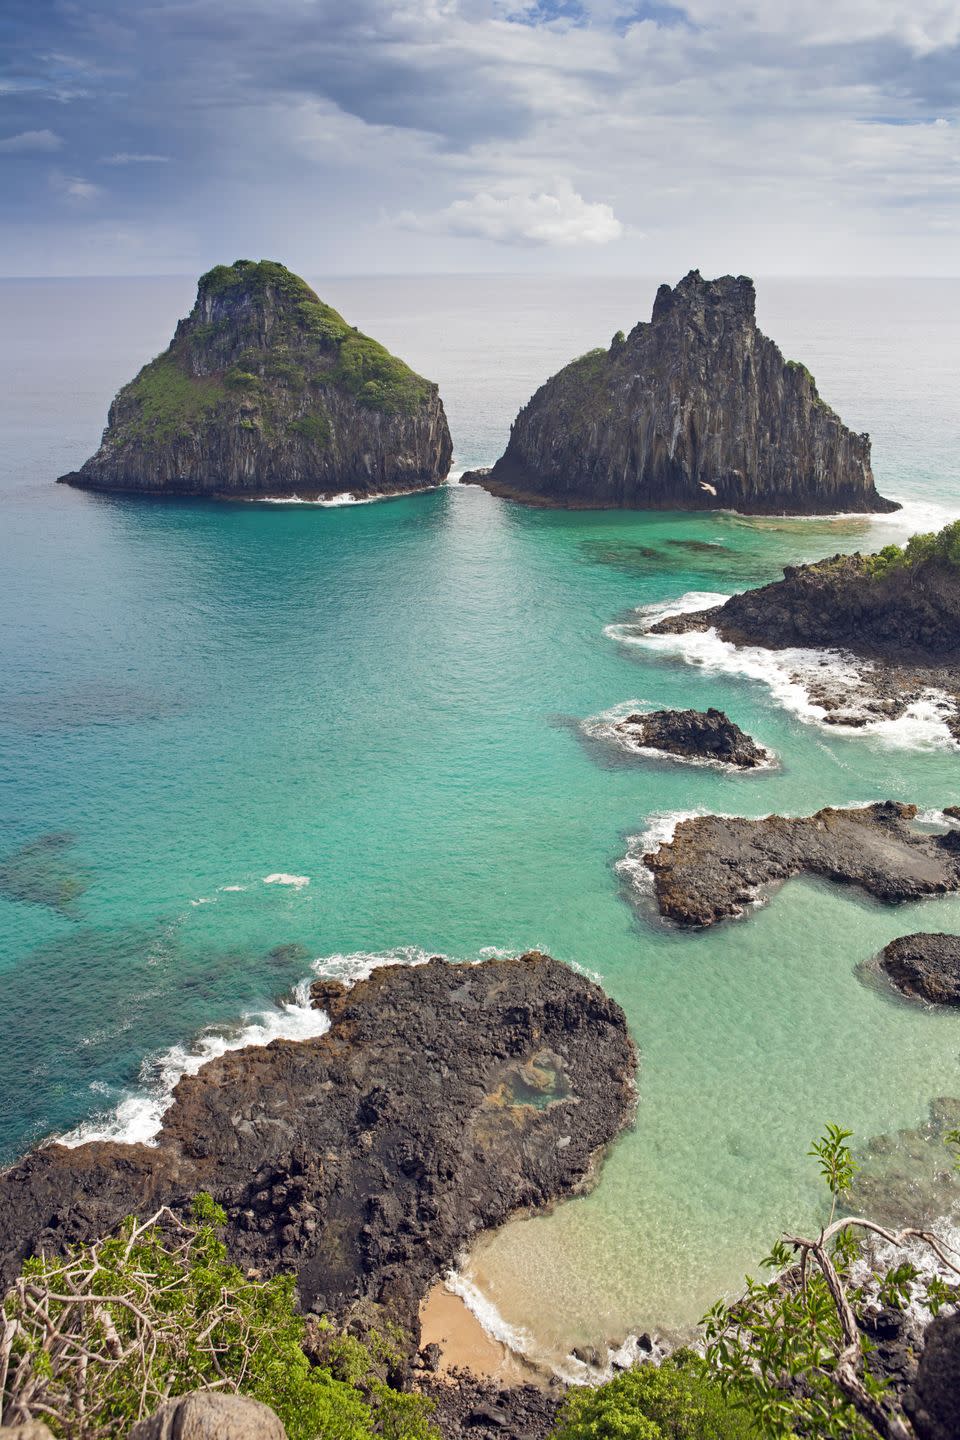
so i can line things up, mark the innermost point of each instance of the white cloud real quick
(520, 217)
(132, 157)
(922, 26)
(75, 187)
(30, 140)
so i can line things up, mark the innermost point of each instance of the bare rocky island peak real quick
(694, 410)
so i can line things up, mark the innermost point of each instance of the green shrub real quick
(676, 1401)
(158, 1311)
(315, 428)
(941, 547)
(168, 399)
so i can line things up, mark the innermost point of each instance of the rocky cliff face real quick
(694, 410)
(442, 1099)
(265, 390)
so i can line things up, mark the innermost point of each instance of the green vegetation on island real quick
(941, 547)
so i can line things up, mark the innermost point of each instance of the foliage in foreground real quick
(679, 1400)
(98, 1340)
(942, 547)
(791, 1350)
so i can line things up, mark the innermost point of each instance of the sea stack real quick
(265, 390)
(694, 410)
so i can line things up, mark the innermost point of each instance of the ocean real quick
(242, 743)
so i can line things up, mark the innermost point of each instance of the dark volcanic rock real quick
(933, 1404)
(695, 410)
(907, 615)
(442, 1099)
(468, 1408)
(716, 865)
(925, 967)
(265, 390)
(694, 735)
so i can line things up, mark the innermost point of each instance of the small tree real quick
(792, 1350)
(94, 1341)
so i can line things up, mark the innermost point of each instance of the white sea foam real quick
(360, 964)
(204, 900)
(606, 727)
(346, 497)
(231, 889)
(137, 1117)
(280, 878)
(515, 1337)
(793, 676)
(660, 830)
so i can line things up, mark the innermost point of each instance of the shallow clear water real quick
(385, 699)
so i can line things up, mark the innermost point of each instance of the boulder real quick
(210, 1415)
(924, 967)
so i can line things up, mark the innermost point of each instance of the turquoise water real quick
(385, 701)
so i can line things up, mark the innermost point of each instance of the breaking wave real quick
(794, 676)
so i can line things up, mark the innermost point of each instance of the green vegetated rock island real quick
(694, 410)
(265, 390)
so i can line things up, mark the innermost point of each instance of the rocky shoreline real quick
(903, 625)
(443, 1099)
(716, 866)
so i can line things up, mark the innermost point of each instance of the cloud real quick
(30, 140)
(129, 157)
(515, 217)
(75, 187)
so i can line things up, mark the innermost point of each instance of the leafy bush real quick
(315, 428)
(792, 1349)
(679, 1400)
(101, 1338)
(941, 547)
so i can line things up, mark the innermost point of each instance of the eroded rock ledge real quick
(443, 1099)
(716, 865)
(694, 735)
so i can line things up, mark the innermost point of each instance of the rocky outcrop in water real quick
(902, 618)
(717, 865)
(694, 735)
(265, 390)
(924, 967)
(694, 410)
(443, 1099)
(908, 614)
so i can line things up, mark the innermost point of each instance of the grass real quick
(169, 400)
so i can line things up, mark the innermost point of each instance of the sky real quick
(587, 136)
